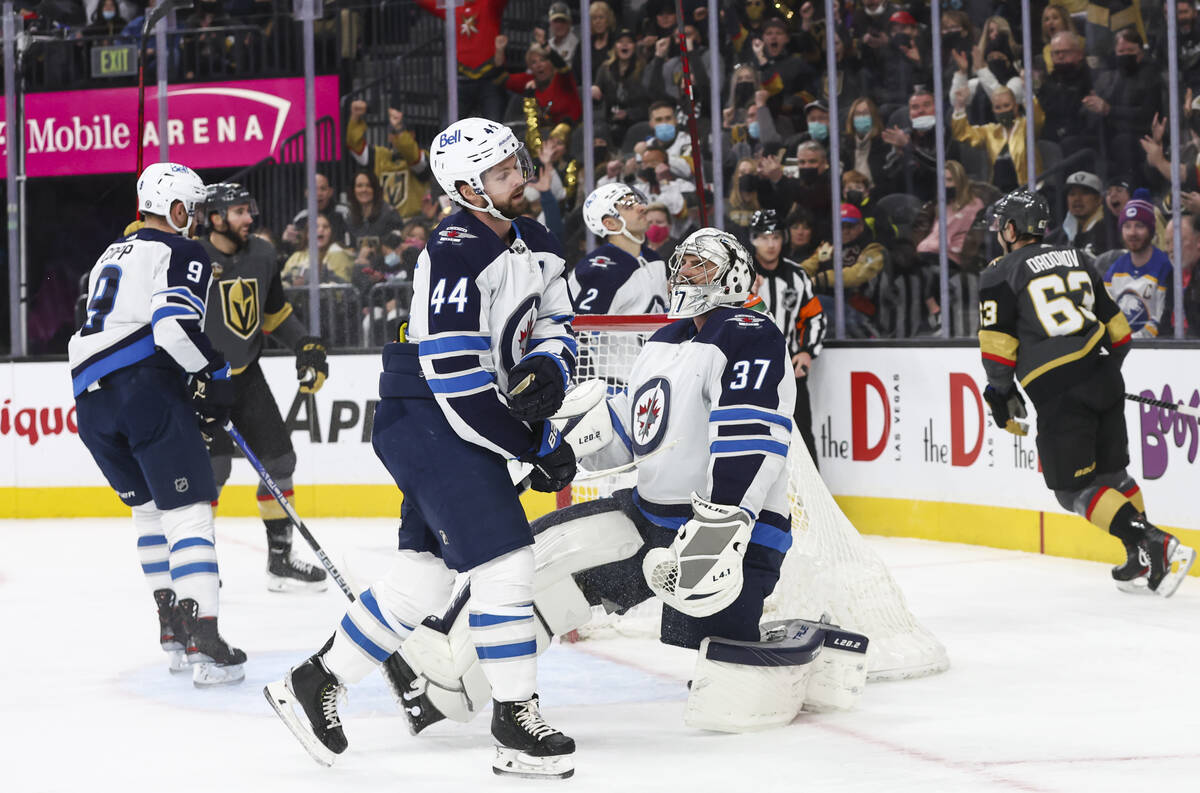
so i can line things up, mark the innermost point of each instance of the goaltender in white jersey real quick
(705, 529)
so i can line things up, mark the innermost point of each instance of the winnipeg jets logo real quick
(747, 320)
(455, 234)
(602, 261)
(523, 337)
(647, 417)
(650, 413)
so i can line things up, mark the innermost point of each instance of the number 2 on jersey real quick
(1059, 314)
(104, 297)
(458, 296)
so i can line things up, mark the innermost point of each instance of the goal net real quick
(829, 569)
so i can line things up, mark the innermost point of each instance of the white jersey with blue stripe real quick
(610, 281)
(147, 291)
(734, 378)
(481, 304)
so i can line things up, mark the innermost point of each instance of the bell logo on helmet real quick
(449, 140)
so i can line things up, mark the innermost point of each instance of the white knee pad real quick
(746, 686)
(416, 585)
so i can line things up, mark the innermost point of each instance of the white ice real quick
(1058, 683)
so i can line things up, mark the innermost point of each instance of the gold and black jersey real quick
(245, 301)
(1046, 318)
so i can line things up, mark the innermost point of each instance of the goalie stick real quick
(1178, 407)
(393, 668)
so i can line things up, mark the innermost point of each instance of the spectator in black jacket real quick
(773, 189)
(911, 166)
(813, 192)
(1128, 97)
(618, 92)
(1187, 36)
(1061, 96)
(1084, 227)
(894, 71)
(785, 75)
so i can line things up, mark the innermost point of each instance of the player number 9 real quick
(195, 270)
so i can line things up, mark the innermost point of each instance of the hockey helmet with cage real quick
(603, 202)
(162, 184)
(466, 149)
(221, 196)
(728, 268)
(764, 221)
(1026, 210)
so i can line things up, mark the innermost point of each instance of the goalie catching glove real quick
(539, 383)
(311, 366)
(701, 572)
(1007, 407)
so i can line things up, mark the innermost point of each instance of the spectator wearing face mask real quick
(911, 165)
(870, 28)
(1061, 97)
(675, 142)
(862, 260)
(991, 73)
(857, 191)
(1140, 282)
(863, 147)
(816, 118)
(1004, 140)
(894, 71)
(1129, 98)
(1084, 227)
(812, 194)
(658, 231)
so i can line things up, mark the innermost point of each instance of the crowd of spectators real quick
(1099, 98)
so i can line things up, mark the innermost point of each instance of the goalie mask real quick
(606, 202)
(466, 150)
(708, 269)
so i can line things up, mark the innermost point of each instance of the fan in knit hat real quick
(1139, 208)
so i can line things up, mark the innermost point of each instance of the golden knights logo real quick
(239, 303)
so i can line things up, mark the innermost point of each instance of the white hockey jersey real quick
(733, 379)
(610, 281)
(481, 304)
(147, 291)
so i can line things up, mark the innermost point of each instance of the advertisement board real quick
(210, 125)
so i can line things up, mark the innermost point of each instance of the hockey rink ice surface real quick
(1058, 683)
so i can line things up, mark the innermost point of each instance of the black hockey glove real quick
(1007, 407)
(536, 387)
(311, 367)
(553, 461)
(212, 397)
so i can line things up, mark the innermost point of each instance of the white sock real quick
(193, 555)
(152, 546)
(375, 625)
(502, 627)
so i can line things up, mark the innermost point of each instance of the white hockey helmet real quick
(162, 184)
(729, 274)
(467, 148)
(602, 203)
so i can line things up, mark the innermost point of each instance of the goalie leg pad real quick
(745, 686)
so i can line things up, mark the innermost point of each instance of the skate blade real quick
(1136, 586)
(282, 701)
(511, 762)
(279, 583)
(177, 662)
(208, 675)
(1181, 563)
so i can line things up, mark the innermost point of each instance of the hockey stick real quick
(1178, 407)
(693, 130)
(153, 17)
(394, 668)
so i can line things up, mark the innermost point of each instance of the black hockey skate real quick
(1158, 563)
(316, 690)
(285, 573)
(409, 689)
(214, 662)
(172, 636)
(526, 746)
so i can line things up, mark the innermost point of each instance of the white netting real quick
(830, 569)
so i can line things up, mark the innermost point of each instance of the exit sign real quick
(119, 60)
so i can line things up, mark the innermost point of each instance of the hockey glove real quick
(553, 461)
(537, 386)
(212, 397)
(701, 572)
(1006, 408)
(311, 368)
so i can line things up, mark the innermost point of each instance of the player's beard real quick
(512, 208)
(238, 241)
